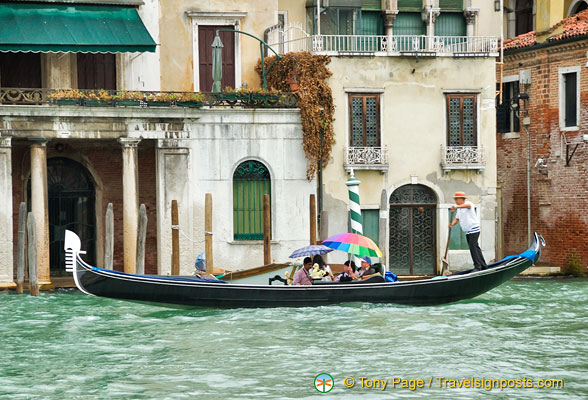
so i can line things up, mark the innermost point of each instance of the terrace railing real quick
(396, 45)
(366, 158)
(462, 157)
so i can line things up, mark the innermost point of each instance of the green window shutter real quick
(450, 24)
(457, 239)
(410, 5)
(451, 5)
(371, 23)
(250, 182)
(371, 224)
(371, 5)
(409, 24)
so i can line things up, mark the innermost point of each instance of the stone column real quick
(470, 17)
(389, 18)
(40, 207)
(430, 15)
(130, 202)
(6, 224)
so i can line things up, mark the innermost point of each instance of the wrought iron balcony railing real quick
(462, 157)
(395, 45)
(122, 98)
(366, 158)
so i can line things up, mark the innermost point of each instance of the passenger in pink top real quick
(301, 277)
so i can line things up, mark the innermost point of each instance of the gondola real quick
(192, 292)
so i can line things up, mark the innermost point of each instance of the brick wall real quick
(559, 193)
(104, 161)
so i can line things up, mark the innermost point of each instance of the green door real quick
(371, 224)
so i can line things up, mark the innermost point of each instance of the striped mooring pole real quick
(354, 205)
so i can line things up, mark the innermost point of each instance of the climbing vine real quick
(315, 100)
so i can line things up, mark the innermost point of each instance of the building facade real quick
(414, 87)
(542, 152)
(68, 162)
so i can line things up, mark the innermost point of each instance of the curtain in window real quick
(409, 23)
(251, 181)
(450, 24)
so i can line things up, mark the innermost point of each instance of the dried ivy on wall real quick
(315, 100)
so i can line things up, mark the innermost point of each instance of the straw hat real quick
(458, 195)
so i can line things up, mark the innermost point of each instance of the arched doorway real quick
(412, 248)
(71, 198)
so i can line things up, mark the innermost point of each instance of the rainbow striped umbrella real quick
(353, 243)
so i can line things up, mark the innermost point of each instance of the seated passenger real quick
(348, 272)
(318, 259)
(366, 268)
(301, 277)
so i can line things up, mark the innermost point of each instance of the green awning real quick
(72, 28)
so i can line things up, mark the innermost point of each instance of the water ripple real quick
(68, 345)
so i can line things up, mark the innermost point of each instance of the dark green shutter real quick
(451, 5)
(570, 82)
(371, 224)
(409, 24)
(250, 182)
(371, 23)
(450, 24)
(371, 5)
(410, 5)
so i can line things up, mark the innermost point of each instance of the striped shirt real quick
(468, 219)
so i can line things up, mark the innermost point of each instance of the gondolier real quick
(470, 224)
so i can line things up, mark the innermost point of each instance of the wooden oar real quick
(445, 267)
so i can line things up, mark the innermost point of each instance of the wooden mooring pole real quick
(109, 237)
(20, 261)
(324, 229)
(141, 237)
(32, 253)
(208, 233)
(175, 265)
(312, 219)
(267, 251)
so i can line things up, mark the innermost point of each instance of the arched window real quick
(579, 5)
(251, 181)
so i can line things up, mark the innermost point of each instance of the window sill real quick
(478, 167)
(250, 242)
(376, 167)
(511, 135)
(569, 128)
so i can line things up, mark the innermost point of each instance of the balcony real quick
(396, 45)
(142, 99)
(366, 158)
(462, 157)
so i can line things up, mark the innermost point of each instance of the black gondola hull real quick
(186, 292)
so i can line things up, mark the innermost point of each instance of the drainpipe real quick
(526, 122)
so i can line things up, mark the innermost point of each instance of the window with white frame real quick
(204, 26)
(506, 118)
(569, 97)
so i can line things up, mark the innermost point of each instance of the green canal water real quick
(66, 345)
